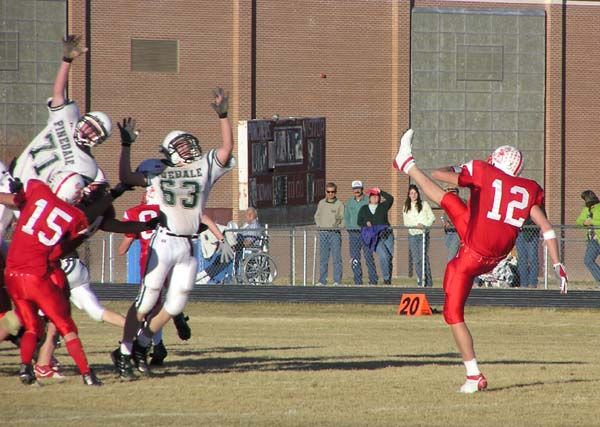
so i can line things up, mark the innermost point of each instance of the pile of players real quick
(61, 197)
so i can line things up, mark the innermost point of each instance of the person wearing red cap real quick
(374, 220)
(355, 242)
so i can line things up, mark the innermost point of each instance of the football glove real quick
(153, 223)
(561, 274)
(225, 250)
(221, 103)
(128, 131)
(15, 185)
(119, 189)
(71, 48)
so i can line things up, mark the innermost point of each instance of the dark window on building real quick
(155, 56)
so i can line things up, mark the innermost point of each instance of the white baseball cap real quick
(357, 184)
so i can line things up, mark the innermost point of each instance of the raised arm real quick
(129, 134)
(221, 106)
(71, 50)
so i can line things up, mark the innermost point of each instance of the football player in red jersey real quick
(47, 218)
(144, 211)
(499, 204)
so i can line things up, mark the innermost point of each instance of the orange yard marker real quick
(414, 305)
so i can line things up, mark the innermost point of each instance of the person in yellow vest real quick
(590, 218)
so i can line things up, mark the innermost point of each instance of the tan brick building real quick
(352, 61)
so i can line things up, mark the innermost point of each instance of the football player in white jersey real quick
(65, 142)
(181, 183)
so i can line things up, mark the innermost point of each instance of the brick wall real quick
(361, 46)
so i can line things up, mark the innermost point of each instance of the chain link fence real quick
(299, 256)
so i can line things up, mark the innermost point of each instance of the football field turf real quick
(328, 365)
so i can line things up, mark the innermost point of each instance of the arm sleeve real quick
(429, 217)
(407, 219)
(341, 214)
(318, 214)
(596, 215)
(582, 217)
(129, 228)
(465, 178)
(346, 215)
(361, 216)
(389, 199)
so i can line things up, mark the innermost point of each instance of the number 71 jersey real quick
(498, 206)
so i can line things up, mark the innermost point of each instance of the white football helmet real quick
(508, 159)
(92, 129)
(68, 186)
(179, 146)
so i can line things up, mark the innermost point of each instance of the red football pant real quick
(30, 292)
(465, 266)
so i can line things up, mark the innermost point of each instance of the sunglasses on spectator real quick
(332, 192)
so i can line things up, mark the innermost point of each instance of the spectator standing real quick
(590, 218)
(419, 217)
(375, 229)
(527, 245)
(451, 240)
(355, 242)
(329, 217)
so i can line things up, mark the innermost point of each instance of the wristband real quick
(549, 235)
(67, 59)
(223, 115)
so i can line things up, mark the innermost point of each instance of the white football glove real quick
(561, 274)
(225, 250)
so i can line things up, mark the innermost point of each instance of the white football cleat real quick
(474, 383)
(404, 159)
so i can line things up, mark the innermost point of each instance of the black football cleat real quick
(183, 329)
(140, 358)
(122, 365)
(159, 354)
(91, 379)
(26, 374)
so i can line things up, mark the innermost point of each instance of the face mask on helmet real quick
(179, 146)
(68, 186)
(508, 159)
(93, 129)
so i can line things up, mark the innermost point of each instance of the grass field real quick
(329, 365)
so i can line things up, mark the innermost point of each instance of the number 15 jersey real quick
(498, 206)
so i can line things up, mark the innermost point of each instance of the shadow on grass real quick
(205, 365)
(539, 383)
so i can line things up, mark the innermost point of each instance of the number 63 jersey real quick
(498, 206)
(181, 192)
